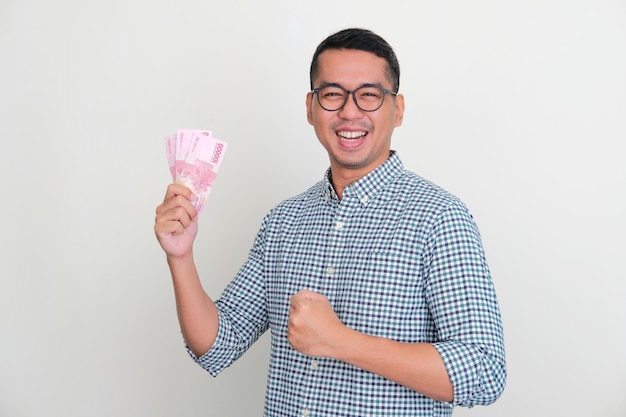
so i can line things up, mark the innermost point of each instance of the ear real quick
(399, 110)
(309, 107)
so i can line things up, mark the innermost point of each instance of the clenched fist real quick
(176, 221)
(314, 328)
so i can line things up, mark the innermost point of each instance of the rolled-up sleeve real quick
(223, 352)
(242, 311)
(463, 303)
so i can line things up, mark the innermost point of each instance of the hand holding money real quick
(176, 222)
(194, 157)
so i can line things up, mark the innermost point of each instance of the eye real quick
(332, 93)
(370, 93)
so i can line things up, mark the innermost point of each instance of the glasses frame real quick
(316, 91)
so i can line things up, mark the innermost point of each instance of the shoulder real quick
(422, 194)
(427, 209)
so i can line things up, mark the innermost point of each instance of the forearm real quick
(417, 366)
(197, 314)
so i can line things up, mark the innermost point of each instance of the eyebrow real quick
(324, 84)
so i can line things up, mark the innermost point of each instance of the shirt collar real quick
(366, 188)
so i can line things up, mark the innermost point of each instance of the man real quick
(373, 282)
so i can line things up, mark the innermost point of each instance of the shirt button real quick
(339, 225)
(314, 364)
(365, 200)
(330, 270)
(306, 412)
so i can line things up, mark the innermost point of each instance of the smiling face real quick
(357, 142)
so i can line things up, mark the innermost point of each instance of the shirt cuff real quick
(477, 377)
(220, 355)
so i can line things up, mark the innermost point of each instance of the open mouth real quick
(351, 136)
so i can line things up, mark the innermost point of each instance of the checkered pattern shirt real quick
(397, 257)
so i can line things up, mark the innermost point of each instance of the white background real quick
(518, 107)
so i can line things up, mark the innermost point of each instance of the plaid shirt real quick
(397, 257)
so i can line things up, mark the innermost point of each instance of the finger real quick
(175, 210)
(309, 295)
(174, 203)
(178, 189)
(297, 301)
(163, 229)
(293, 300)
(172, 220)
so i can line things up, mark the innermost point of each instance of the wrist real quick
(176, 261)
(344, 343)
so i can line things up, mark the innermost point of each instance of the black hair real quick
(362, 40)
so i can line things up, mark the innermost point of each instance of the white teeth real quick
(351, 135)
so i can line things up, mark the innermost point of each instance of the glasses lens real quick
(333, 98)
(369, 98)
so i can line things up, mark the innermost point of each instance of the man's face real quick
(356, 141)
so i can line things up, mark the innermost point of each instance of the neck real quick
(341, 176)
(340, 179)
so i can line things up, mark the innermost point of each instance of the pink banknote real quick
(170, 152)
(194, 157)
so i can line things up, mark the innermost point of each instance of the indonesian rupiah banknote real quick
(194, 157)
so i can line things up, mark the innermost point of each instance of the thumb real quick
(310, 295)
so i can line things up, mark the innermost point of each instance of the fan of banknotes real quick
(195, 157)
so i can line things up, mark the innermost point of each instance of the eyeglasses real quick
(333, 97)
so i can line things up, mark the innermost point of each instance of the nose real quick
(350, 110)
